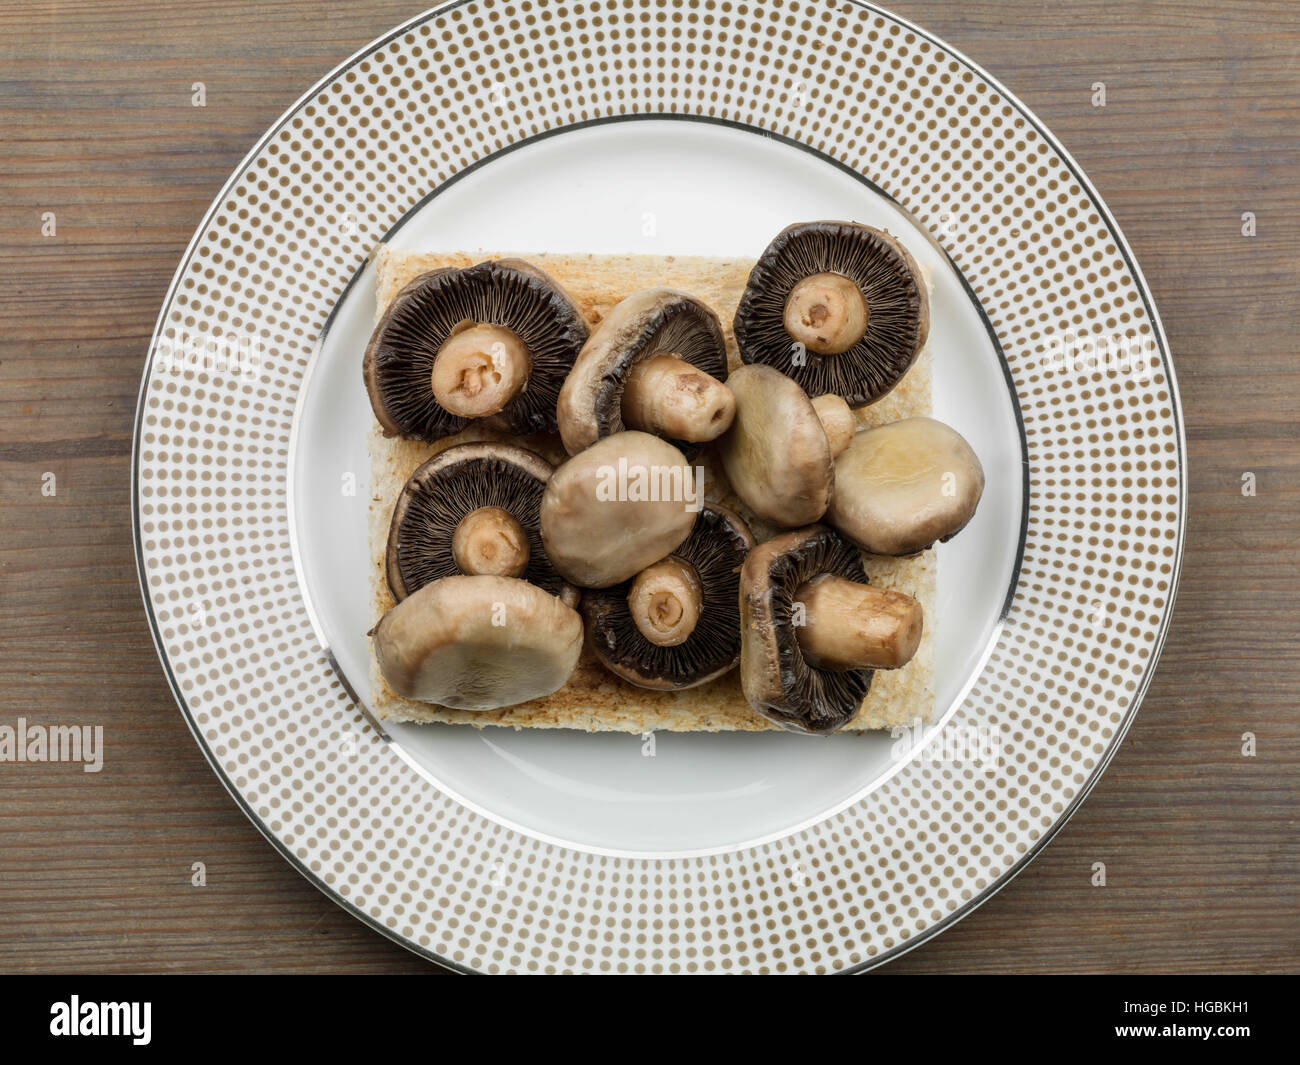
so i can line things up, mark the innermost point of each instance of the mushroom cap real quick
(507, 292)
(900, 487)
(716, 550)
(641, 326)
(610, 511)
(898, 322)
(453, 484)
(776, 454)
(478, 643)
(778, 680)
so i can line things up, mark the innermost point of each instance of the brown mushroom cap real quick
(638, 328)
(781, 679)
(900, 487)
(776, 454)
(887, 331)
(450, 492)
(714, 553)
(610, 511)
(510, 294)
(478, 643)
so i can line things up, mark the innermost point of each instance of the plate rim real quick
(1121, 729)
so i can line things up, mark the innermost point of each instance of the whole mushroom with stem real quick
(496, 339)
(676, 624)
(813, 629)
(656, 363)
(472, 509)
(839, 307)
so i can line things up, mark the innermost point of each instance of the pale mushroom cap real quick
(617, 507)
(478, 643)
(776, 453)
(900, 487)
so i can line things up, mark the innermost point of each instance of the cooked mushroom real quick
(478, 643)
(813, 629)
(610, 511)
(837, 422)
(656, 363)
(462, 343)
(776, 454)
(677, 624)
(472, 509)
(838, 306)
(900, 487)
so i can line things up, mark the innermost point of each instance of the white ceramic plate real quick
(614, 127)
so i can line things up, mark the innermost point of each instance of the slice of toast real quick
(594, 700)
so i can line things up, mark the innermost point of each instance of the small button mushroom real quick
(838, 306)
(813, 630)
(478, 643)
(472, 509)
(677, 624)
(612, 510)
(494, 339)
(656, 363)
(901, 487)
(776, 454)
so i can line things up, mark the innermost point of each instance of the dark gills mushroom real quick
(813, 630)
(837, 306)
(677, 623)
(656, 363)
(472, 509)
(497, 338)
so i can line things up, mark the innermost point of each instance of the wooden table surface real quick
(1200, 842)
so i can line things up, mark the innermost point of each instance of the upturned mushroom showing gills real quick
(472, 509)
(838, 306)
(657, 364)
(478, 643)
(677, 623)
(457, 344)
(813, 630)
(612, 510)
(901, 487)
(777, 455)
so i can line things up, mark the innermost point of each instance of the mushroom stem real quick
(856, 626)
(837, 420)
(667, 396)
(479, 369)
(490, 541)
(826, 313)
(665, 601)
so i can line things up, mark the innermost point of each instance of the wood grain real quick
(1200, 843)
